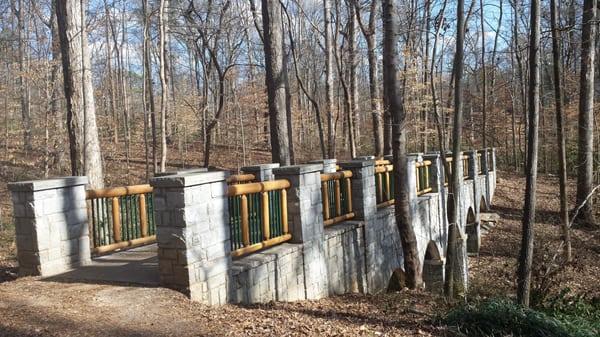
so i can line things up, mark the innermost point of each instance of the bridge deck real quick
(134, 266)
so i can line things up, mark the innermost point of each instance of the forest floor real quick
(33, 307)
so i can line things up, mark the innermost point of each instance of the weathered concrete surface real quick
(137, 266)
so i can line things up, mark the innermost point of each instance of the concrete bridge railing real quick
(194, 237)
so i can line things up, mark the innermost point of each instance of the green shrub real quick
(502, 317)
(575, 309)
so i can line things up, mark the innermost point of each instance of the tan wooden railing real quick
(465, 166)
(384, 183)
(258, 216)
(423, 172)
(240, 179)
(120, 217)
(336, 189)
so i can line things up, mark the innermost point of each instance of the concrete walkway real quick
(134, 266)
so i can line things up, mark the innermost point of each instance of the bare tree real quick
(560, 127)
(527, 241)
(483, 74)
(369, 33)
(585, 171)
(79, 92)
(455, 285)
(412, 264)
(275, 78)
(163, 23)
(22, 80)
(329, 78)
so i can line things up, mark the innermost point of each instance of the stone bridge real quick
(309, 260)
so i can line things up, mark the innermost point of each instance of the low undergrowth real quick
(566, 317)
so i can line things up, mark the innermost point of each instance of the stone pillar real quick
(411, 174)
(176, 172)
(473, 167)
(493, 159)
(329, 165)
(305, 217)
(436, 180)
(51, 225)
(484, 161)
(364, 202)
(192, 232)
(364, 158)
(433, 275)
(262, 172)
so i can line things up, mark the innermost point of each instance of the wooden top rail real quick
(384, 168)
(449, 158)
(264, 186)
(423, 163)
(240, 178)
(336, 175)
(112, 192)
(380, 162)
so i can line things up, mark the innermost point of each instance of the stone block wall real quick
(383, 249)
(345, 251)
(276, 274)
(51, 225)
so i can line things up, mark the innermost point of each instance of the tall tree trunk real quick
(455, 284)
(149, 107)
(585, 171)
(347, 106)
(412, 264)
(23, 82)
(484, 76)
(329, 79)
(111, 84)
(275, 78)
(288, 106)
(352, 70)
(526, 253)
(162, 23)
(79, 92)
(369, 33)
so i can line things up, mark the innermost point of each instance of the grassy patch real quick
(502, 317)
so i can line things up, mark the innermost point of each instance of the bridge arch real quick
(433, 268)
(473, 232)
(483, 204)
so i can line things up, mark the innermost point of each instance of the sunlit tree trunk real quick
(560, 128)
(455, 254)
(585, 171)
(275, 78)
(412, 264)
(329, 79)
(527, 240)
(163, 22)
(79, 92)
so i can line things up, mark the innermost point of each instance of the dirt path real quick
(31, 307)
